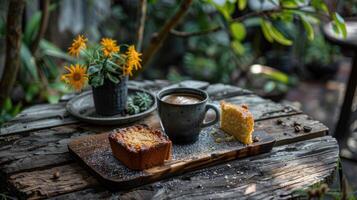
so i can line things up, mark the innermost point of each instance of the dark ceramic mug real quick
(183, 122)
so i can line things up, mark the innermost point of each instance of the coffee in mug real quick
(182, 98)
(182, 112)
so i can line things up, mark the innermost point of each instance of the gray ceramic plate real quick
(82, 107)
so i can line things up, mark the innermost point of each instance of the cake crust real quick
(237, 121)
(140, 147)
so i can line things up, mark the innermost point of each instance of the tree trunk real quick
(13, 45)
(141, 24)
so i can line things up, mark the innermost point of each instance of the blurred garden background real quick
(274, 47)
(213, 40)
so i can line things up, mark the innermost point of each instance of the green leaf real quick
(50, 49)
(308, 28)
(33, 24)
(28, 61)
(242, 4)
(265, 29)
(53, 98)
(50, 65)
(112, 78)
(237, 47)
(308, 17)
(16, 109)
(32, 28)
(279, 37)
(238, 30)
(7, 104)
(284, 15)
(32, 90)
(60, 86)
(320, 5)
(275, 34)
(335, 29)
(226, 9)
(111, 69)
(340, 23)
(289, 4)
(93, 69)
(113, 63)
(96, 80)
(279, 76)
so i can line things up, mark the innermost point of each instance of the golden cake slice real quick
(140, 147)
(237, 121)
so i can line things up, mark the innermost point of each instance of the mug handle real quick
(216, 110)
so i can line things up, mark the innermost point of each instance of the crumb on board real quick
(256, 139)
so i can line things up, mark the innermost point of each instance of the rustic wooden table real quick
(35, 163)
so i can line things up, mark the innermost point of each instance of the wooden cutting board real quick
(95, 153)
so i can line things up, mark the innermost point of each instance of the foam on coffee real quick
(182, 98)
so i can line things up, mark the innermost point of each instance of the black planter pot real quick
(110, 98)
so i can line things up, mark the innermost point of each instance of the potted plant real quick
(106, 67)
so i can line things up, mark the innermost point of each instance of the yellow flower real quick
(133, 58)
(76, 76)
(78, 44)
(128, 70)
(109, 47)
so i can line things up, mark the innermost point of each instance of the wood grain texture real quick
(221, 91)
(282, 128)
(291, 166)
(13, 33)
(38, 117)
(190, 84)
(51, 182)
(150, 85)
(38, 149)
(274, 175)
(95, 153)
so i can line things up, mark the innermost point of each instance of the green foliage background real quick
(244, 37)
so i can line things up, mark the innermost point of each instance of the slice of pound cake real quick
(140, 147)
(237, 121)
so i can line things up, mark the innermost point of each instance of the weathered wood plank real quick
(221, 91)
(152, 85)
(51, 182)
(190, 84)
(273, 175)
(38, 117)
(282, 128)
(252, 176)
(38, 149)
(93, 194)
